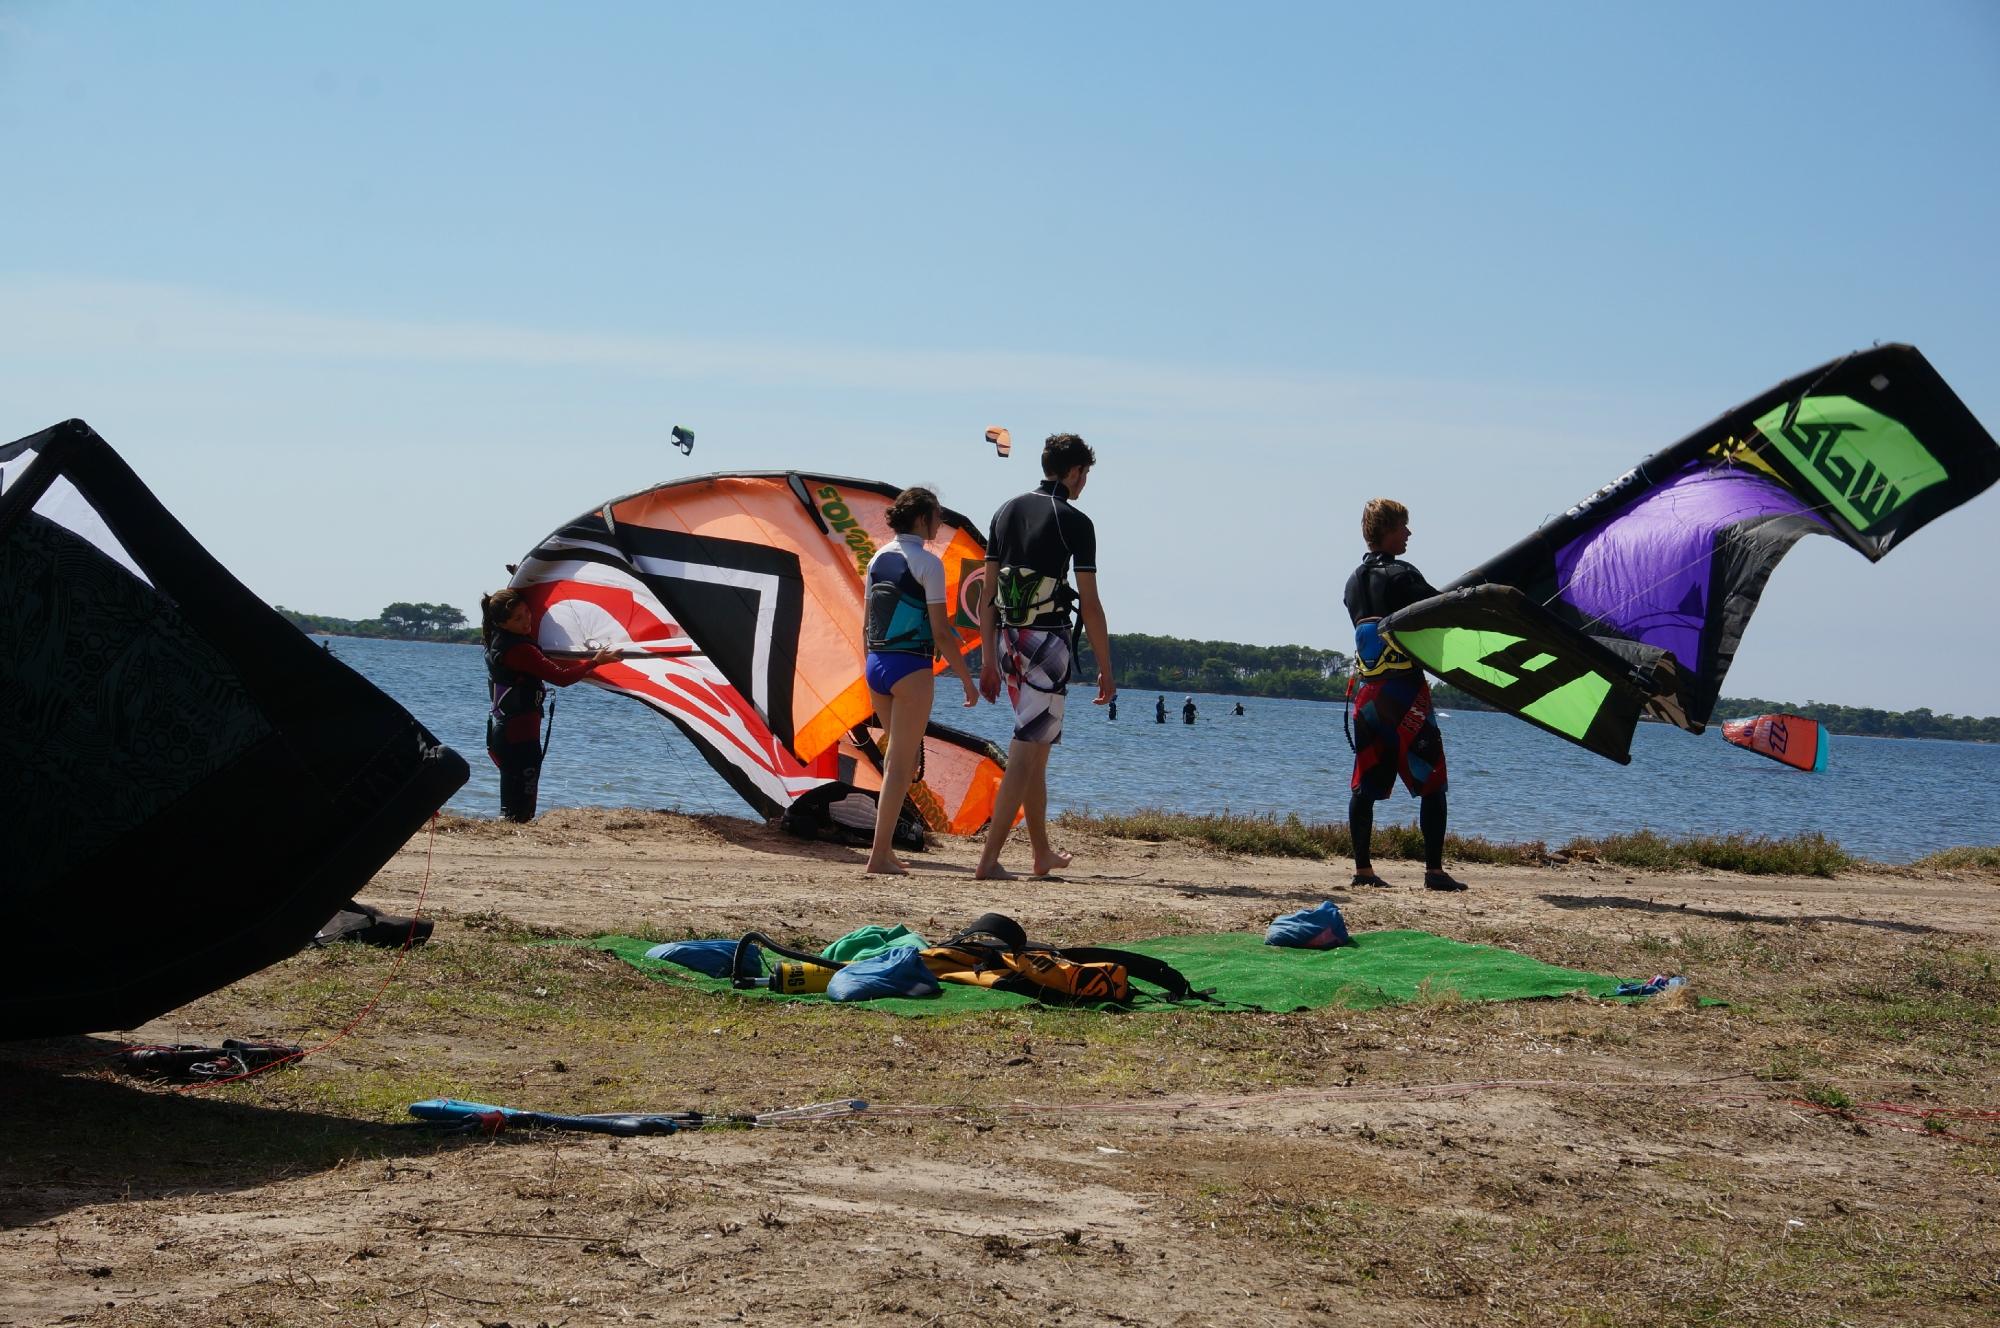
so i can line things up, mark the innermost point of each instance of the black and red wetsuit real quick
(518, 673)
(1395, 727)
(1395, 724)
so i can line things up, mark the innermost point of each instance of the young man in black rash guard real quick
(1395, 724)
(1026, 635)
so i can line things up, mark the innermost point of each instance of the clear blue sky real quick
(374, 295)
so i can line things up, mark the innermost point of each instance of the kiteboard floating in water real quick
(185, 772)
(1791, 740)
(1634, 601)
(735, 602)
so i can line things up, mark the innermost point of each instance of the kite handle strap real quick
(1156, 971)
(1347, 711)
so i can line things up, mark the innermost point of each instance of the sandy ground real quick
(1549, 1162)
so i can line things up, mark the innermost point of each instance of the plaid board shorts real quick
(1036, 663)
(1396, 733)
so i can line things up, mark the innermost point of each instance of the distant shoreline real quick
(1868, 722)
(469, 638)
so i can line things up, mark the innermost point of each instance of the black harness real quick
(1372, 587)
(513, 692)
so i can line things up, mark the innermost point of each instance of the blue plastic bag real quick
(715, 959)
(897, 972)
(1319, 928)
(1660, 982)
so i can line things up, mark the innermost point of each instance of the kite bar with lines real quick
(463, 1115)
(674, 650)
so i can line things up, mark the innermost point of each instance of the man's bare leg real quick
(1027, 766)
(1036, 803)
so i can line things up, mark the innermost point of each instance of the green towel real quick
(1380, 968)
(867, 942)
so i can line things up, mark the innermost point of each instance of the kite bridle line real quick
(403, 953)
(65, 1065)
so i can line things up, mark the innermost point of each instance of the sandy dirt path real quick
(1537, 1162)
(583, 870)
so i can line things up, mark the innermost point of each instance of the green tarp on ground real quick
(1380, 968)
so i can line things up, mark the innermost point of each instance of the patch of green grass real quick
(1828, 1096)
(1795, 1065)
(1968, 858)
(1290, 837)
(1940, 997)
(1264, 836)
(1810, 854)
(1908, 1262)
(491, 1015)
(381, 1095)
(1894, 1017)
(1781, 1068)
(1428, 996)
(1978, 1160)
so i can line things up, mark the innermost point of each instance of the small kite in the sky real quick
(684, 440)
(1003, 442)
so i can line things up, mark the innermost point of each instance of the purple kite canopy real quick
(1635, 600)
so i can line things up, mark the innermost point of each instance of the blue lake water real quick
(1883, 798)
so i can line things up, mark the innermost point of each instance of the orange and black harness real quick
(995, 952)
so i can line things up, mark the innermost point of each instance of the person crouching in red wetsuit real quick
(518, 673)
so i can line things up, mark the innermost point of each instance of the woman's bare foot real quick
(893, 867)
(1055, 862)
(994, 873)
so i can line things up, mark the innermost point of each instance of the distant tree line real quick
(401, 621)
(1230, 668)
(1862, 721)
(1170, 664)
